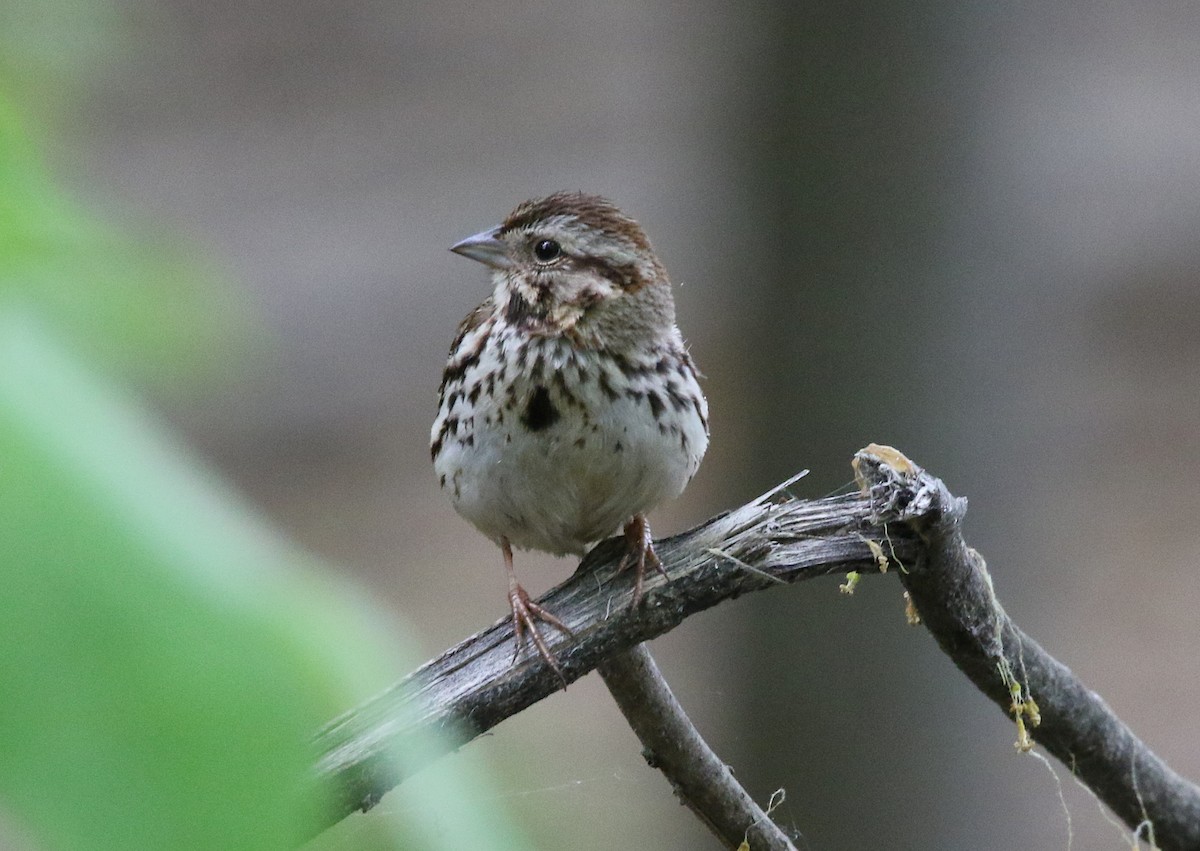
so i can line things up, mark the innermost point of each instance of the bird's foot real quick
(525, 614)
(639, 553)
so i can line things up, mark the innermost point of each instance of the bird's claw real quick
(639, 553)
(525, 614)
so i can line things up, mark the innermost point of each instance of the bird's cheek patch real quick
(589, 297)
(564, 315)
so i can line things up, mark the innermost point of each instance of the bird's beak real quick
(486, 247)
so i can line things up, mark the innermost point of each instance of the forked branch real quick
(773, 540)
(902, 515)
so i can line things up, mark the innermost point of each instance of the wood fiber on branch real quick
(774, 540)
(902, 516)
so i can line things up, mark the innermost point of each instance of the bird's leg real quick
(639, 553)
(526, 613)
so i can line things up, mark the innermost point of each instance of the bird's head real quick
(573, 264)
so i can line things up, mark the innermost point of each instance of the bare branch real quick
(672, 744)
(470, 688)
(952, 592)
(906, 516)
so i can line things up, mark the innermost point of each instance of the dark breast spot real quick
(540, 412)
(606, 386)
(521, 313)
(564, 389)
(656, 404)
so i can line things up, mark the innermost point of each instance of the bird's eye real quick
(546, 250)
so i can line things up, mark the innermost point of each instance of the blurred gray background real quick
(965, 230)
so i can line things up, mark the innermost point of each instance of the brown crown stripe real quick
(591, 210)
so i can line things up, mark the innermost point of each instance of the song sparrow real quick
(569, 406)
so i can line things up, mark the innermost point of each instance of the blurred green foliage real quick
(167, 657)
(140, 308)
(158, 686)
(48, 47)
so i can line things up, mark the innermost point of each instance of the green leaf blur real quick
(156, 694)
(167, 655)
(139, 307)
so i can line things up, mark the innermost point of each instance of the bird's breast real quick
(554, 447)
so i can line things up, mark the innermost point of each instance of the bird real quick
(570, 405)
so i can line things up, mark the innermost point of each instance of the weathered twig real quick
(906, 515)
(474, 686)
(953, 594)
(672, 744)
